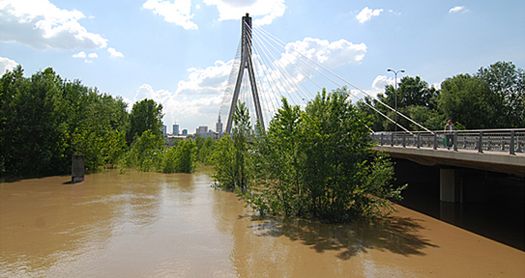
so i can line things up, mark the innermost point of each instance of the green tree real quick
(99, 134)
(146, 152)
(186, 162)
(318, 163)
(336, 146)
(412, 92)
(145, 115)
(429, 118)
(231, 157)
(508, 83)
(223, 158)
(180, 158)
(12, 86)
(468, 100)
(242, 134)
(35, 135)
(204, 149)
(278, 158)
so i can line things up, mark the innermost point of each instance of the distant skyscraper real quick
(175, 129)
(184, 132)
(218, 126)
(202, 130)
(164, 130)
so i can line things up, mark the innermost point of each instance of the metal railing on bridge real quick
(510, 141)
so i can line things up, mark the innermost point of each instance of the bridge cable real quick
(351, 85)
(278, 74)
(263, 68)
(372, 107)
(284, 70)
(264, 89)
(287, 76)
(229, 90)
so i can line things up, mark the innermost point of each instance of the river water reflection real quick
(157, 225)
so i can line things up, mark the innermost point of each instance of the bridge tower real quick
(246, 64)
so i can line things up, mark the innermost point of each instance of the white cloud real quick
(41, 24)
(198, 98)
(174, 11)
(6, 64)
(366, 14)
(113, 53)
(377, 87)
(457, 9)
(264, 12)
(209, 81)
(179, 12)
(79, 55)
(330, 53)
(381, 81)
(190, 110)
(87, 57)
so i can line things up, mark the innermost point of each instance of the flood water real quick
(158, 225)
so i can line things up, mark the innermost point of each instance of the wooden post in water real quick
(77, 168)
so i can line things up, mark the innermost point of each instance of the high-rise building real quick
(218, 126)
(164, 130)
(184, 132)
(201, 130)
(175, 129)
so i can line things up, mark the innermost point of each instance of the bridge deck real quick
(495, 161)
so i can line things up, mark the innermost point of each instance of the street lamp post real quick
(395, 90)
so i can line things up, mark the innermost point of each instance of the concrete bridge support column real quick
(449, 185)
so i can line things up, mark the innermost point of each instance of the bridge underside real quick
(487, 161)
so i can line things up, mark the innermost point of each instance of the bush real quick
(316, 162)
(146, 152)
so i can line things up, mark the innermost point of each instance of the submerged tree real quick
(312, 163)
(180, 158)
(145, 115)
(231, 155)
(45, 119)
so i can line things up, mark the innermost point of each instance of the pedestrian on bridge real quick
(449, 133)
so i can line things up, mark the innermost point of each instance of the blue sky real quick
(179, 52)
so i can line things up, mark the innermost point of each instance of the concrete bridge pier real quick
(450, 182)
(462, 185)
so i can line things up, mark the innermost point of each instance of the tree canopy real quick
(45, 119)
(315, 162)
(494, 97)
(145, 115)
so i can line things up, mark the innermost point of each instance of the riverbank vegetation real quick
(313, 162)
(45, 119)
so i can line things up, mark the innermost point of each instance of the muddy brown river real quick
(176, 225)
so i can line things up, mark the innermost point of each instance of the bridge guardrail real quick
(510, 141)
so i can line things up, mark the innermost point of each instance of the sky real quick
(180, 52)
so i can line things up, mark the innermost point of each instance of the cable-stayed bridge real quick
(266, 69)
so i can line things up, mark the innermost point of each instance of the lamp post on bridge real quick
(395, 89)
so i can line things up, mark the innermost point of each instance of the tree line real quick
(45, 119)
(494, 97)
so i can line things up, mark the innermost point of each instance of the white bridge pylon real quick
(246, 64)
